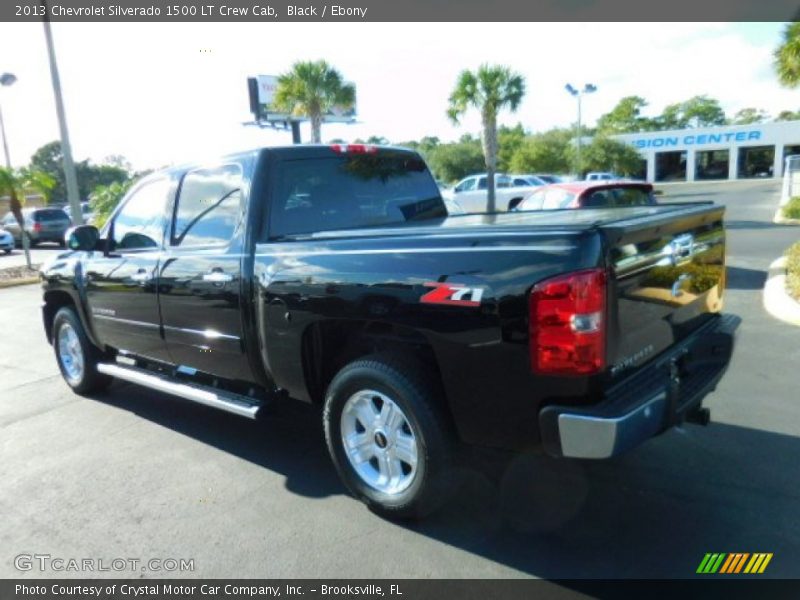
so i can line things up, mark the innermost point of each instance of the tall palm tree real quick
(310, 89)
(787, 56)
(18, 183)
(489, 89)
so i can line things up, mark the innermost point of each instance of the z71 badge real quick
(453, 294)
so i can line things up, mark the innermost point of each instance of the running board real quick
(227, 401)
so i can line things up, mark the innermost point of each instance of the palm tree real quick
(18, 183)
(311, 89)
(490, 89)
(787, 56)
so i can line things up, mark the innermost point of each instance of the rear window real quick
(617, 196)
(360, 190)
(53, 214)
(547, 199)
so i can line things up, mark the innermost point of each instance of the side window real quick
(140, 222)
(209, 206)
(466, 185)
(502, 182)
(482, 183)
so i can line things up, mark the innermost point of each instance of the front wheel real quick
(389, 438)
(77, 357)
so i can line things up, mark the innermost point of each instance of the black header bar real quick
(243, 11)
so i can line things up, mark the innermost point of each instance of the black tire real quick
(7, 250)
(419, 398)
(89, 380)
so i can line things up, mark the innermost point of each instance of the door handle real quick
(217, 275)
(141, 276)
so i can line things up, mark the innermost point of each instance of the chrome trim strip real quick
(470, 249)
(126, 321)
(231, 403)
(584, 436)
(209, 334)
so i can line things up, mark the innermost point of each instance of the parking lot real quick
(39, 254)
(141, 475)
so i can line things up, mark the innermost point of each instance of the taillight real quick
(37, 227)
(354, 148)
(568, 324)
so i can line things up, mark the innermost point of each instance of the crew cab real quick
(471, 192)
(333, 275)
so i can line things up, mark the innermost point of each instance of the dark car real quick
(334, 275)
(589, 194)
(41, 225)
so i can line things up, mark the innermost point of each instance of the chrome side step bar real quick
(227, 401)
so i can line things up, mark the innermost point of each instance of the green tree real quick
(788, 115)
(625, 117)
(545, 152)
(699, 111)
(490, 89)
(104, 199)
(451, 162)
(16, 184)
(747, 116)
(606, 154)
(311, 89)
(509, 141)
(787, 56)
(49, 159)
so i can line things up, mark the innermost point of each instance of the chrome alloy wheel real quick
(70, 353)
(379, 442)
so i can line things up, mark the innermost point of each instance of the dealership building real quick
(708, 153)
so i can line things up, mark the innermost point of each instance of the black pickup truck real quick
(333, 275)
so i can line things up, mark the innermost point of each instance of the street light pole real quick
(69, 166)
(6, 79)
(589, 88)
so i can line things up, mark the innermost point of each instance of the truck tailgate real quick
(668, 276)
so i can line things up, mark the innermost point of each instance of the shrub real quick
(793, 270)
(792, 208)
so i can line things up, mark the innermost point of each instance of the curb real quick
(781, 220)
(15, 282)
(777, 300)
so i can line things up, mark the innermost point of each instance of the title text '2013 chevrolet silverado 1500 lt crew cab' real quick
(333, 275)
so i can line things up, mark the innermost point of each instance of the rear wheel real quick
(77, 357)
(388, 437)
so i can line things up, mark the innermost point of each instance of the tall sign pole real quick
(69, 166)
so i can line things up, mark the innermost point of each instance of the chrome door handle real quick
(217, 276)
(141, 276)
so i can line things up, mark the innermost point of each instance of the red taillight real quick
(568, 324)
(37, 227)
(354, 148)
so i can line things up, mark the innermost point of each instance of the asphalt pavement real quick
(39, 254)
(138, 474)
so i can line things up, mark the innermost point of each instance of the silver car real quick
(41, 225)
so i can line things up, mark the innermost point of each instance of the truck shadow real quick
(741, 278)
(653, 513)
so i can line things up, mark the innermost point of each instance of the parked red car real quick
(589, 194)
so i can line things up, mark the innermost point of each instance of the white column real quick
(651, 167)
(690, 164)
(777, 169)
(733, 162)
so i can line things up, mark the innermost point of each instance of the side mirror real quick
(82, 237)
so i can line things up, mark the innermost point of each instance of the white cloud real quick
(148, 92)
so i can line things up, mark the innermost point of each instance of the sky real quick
(168, 93)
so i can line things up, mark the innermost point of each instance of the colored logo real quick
(737, 562)
(453, 294)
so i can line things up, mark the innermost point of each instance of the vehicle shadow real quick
(652, 513)
(745, 224)
(740, 278)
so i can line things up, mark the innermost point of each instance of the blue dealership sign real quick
(701, 139)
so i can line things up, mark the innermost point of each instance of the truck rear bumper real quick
(648, 402)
